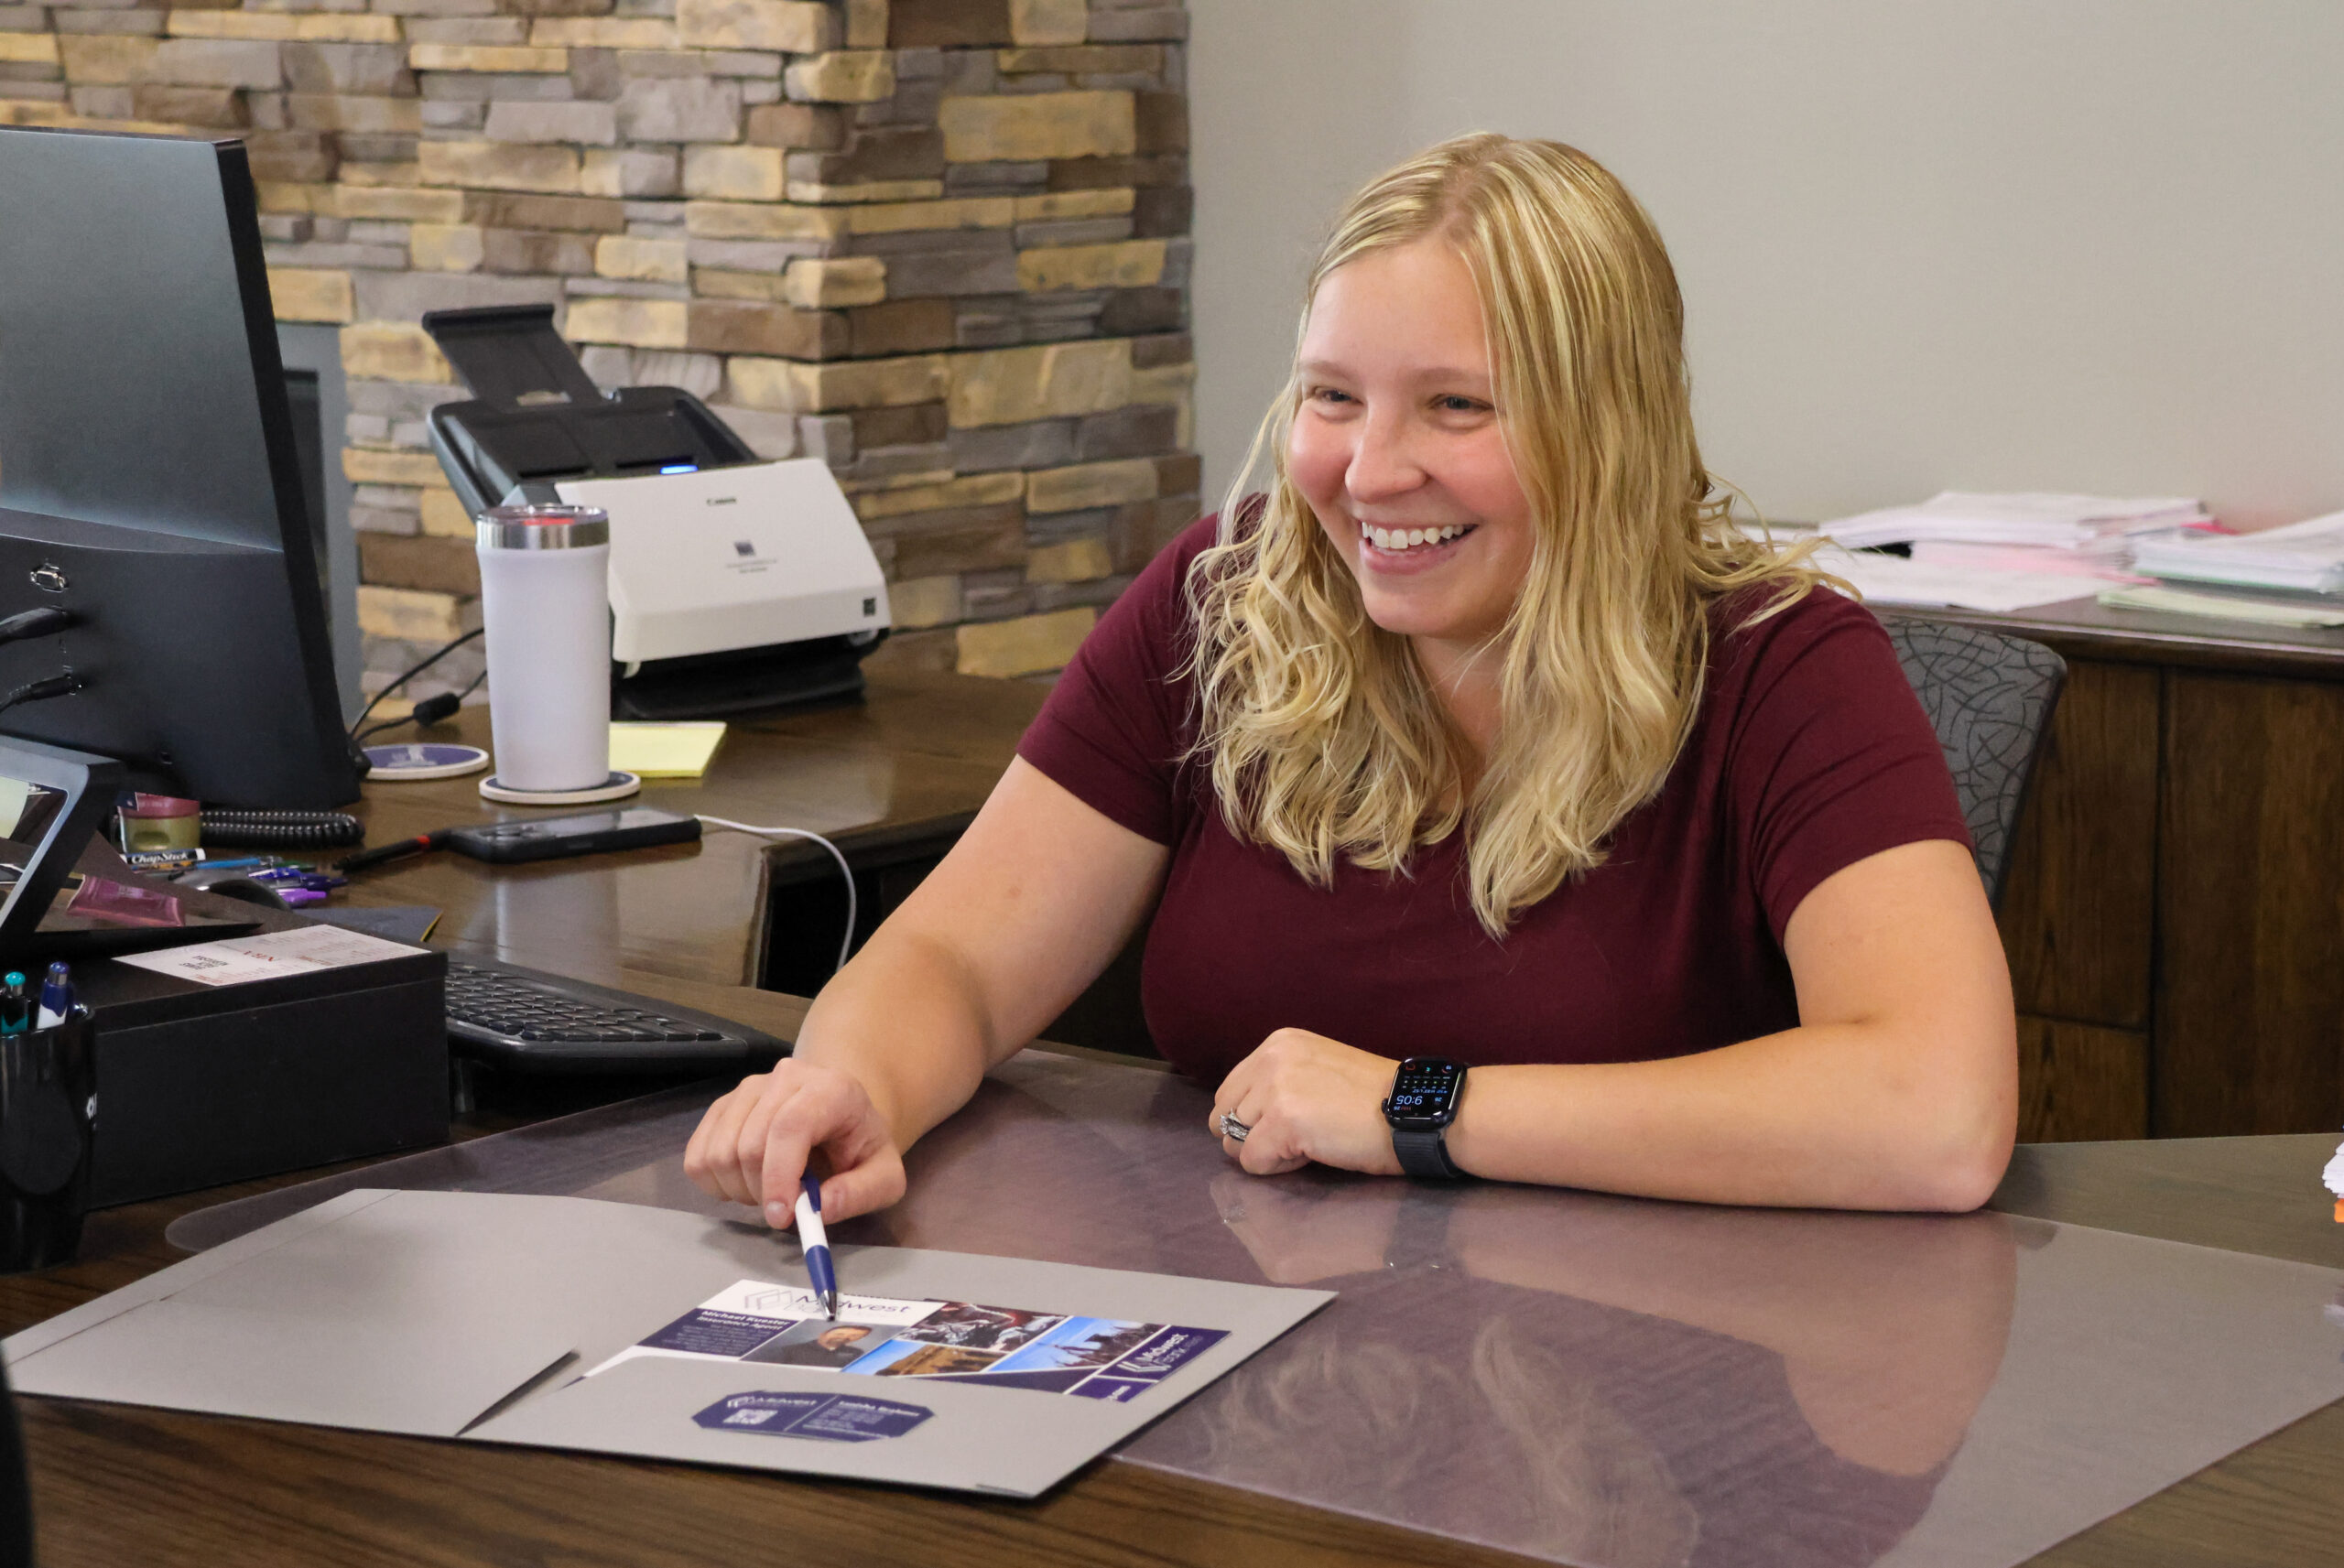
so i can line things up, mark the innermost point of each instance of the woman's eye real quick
(1457, 402)
(1329, 394)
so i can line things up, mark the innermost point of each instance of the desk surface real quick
(2084, 628)
(924, 748)
(116, 1485)
(119, 1485)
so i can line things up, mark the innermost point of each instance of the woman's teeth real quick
(1410, 539)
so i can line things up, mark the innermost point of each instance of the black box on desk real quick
(199, 1084)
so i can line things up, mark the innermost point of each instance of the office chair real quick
(1990, 698)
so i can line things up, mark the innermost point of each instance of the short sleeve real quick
(1117, 724)
(1832, 758)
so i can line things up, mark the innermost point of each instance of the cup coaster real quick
(417, 760)
(618, 787)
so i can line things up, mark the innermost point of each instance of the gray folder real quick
(472, 1315)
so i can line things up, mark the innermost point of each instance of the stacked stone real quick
(940, 245)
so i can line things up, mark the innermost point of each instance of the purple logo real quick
(822, 1418)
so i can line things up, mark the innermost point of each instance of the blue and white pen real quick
(817, 1244)
(56, 996)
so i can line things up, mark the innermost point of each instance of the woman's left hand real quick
(1304, 1098)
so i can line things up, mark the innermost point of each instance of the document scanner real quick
(735, 585)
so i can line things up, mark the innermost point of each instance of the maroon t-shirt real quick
(1809, 753)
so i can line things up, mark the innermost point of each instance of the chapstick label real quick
(821, 1418)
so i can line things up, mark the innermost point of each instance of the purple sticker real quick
(767, 1412)
(1168, 1352)
(850, 1418)
(821, 1418)
(704, 1333)
(1119, 1390)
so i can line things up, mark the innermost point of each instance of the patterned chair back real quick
(1990, 698)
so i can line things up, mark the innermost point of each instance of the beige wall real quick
(1975, 244)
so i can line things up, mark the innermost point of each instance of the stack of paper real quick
(2005, 552)
(1893, 580)
(2302, 558)
(2101, 558)
(2302, 612)
(2097, 524)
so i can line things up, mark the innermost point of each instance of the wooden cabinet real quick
(2175, 913)
(2249, 995)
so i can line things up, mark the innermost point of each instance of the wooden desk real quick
(911, 763)
(2175, 915)
(116, 1484)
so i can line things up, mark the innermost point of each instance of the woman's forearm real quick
(1899, 1091)
(907, 1021)
(1837, 1115)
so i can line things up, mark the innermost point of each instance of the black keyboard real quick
(520, 1018)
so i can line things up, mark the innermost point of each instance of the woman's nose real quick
(1383, 461)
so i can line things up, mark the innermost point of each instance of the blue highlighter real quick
(817, 1244)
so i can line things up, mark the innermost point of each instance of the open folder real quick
(567, 1323)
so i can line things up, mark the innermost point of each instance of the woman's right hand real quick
(753, 1144)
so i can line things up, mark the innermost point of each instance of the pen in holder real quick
(48, 1128)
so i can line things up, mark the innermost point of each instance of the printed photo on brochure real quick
(758, 1323)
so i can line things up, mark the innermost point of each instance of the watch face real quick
(1426, 1089)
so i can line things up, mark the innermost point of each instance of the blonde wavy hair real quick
(1324, 734)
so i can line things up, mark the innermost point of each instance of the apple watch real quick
(1423, 1102)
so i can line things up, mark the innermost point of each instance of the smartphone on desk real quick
(586, 833)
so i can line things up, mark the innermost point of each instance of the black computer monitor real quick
(150, 480)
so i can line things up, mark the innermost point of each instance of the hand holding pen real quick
(758, 1140)
(817, 1243)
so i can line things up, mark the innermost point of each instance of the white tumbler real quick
(545, 595)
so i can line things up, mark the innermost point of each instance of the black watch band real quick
(1424, 1153)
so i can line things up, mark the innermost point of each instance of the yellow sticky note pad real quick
(678, 751)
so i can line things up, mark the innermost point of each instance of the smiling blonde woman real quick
(1480, 739)
(1325, 741)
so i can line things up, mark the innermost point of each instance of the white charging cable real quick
(846, 943)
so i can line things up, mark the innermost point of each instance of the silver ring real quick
(1232, 1129)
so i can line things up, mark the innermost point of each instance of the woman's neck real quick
(1466, 679)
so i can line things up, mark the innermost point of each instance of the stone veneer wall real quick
(939, 243)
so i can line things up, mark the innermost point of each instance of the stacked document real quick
(2091, 524)
(2302, 558)
(2004, 553)
(2101, 558)
(1893, 580)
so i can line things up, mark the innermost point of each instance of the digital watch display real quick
(1425, 1090)
(1422, 1104)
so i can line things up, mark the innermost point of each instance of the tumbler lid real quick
(542, 527)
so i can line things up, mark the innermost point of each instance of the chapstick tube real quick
(545, 596)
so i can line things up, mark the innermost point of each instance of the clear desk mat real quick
(1596, 1381)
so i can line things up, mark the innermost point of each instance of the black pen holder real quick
(48, 1109)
